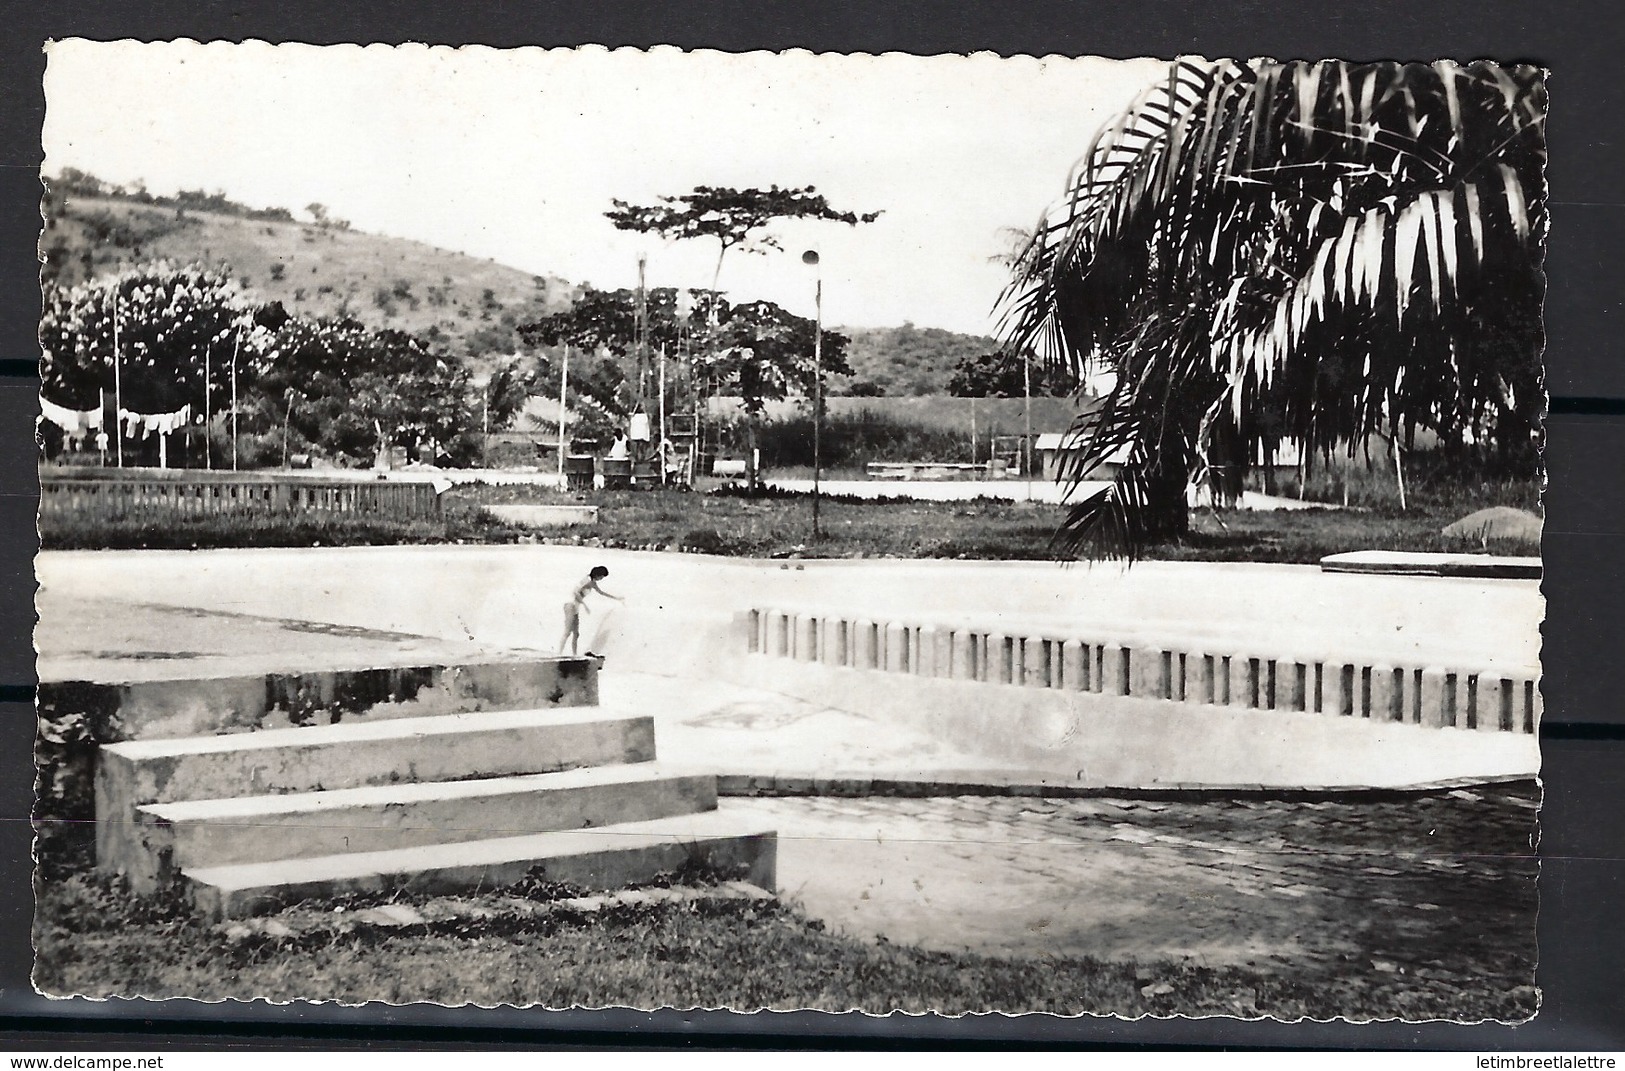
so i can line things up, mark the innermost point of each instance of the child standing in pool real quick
(578, 605)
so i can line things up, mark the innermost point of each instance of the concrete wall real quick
(145, 710)
(1123, 725)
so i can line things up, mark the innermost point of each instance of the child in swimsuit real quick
(578, 605)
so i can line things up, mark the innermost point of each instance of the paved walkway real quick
(1422, 885)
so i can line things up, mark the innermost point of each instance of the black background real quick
(1582, 935)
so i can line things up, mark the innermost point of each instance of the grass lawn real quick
(781, 524)
(987, 529)
(92, 941)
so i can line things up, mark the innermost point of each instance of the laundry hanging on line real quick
(144, 425)
(75, 422)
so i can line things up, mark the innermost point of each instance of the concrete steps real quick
(455, 800)
(605, 858)
(167, 837)
(351, 754)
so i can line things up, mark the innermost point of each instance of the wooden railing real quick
(112, 494)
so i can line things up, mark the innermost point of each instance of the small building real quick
(1057, 452)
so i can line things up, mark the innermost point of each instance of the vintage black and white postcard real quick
(592, 527)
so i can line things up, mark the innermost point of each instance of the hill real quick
(468, 306)
(907, 360)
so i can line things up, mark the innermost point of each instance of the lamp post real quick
(564, 385)
(810, 258)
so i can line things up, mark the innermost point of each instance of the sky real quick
(515, 155)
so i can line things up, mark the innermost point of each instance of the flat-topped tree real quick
(735, 218)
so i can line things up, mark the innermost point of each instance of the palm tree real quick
(1313, 253)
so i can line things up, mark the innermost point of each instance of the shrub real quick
(849, 440)
(73, 721)
(711, 541)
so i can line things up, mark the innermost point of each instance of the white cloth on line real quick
(76, 422)
(143, 425)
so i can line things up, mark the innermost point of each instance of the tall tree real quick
(169, 323)
(602, 324)
(360, 390)
(765, 352)
(608, 320)
(758, 350)
(1307, 252)
(762, 353)
(736, 219)
(1005, 374)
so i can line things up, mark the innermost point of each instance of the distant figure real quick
(578, 606)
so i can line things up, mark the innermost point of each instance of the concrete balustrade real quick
(1411, 696)
(1340, 693)
(1198, 679)
(1114, 669)
(1486, 698)
(807, 638)
(1073, 656)
(832, 644)
(962, 656)
(896, 648)
(868, 646)
(1035, 663)
(1239, 674)
(996, 661)
(937, 653)
(1437, 709)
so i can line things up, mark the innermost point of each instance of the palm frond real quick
(1305, 251)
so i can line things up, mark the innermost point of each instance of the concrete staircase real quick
(376, 802)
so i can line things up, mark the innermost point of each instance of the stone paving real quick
(1436, 886)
